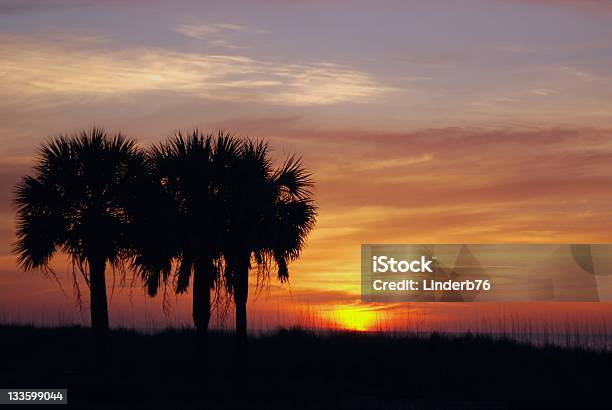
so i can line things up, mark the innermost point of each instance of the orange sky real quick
(474, 132)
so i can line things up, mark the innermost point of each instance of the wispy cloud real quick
(216, 34)
(30, 68)
(543, 92)
(202, 31)
(394, 163)
(581, 74)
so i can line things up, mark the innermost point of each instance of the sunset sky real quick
(422, 122)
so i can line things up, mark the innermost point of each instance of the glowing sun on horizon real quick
(350, 318)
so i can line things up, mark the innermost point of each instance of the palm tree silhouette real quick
(192, 173)
(269, 213)
(78, 202)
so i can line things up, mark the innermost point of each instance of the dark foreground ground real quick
(295, 369)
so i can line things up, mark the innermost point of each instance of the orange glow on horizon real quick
(351, 318)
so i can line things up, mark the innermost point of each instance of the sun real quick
(351, 318)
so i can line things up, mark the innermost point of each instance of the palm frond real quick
(293, 178)
(39, 223)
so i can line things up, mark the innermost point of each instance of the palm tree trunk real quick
(241, 297)
(241, 294)
(99, 309)
(201, 298)
(201, 316)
